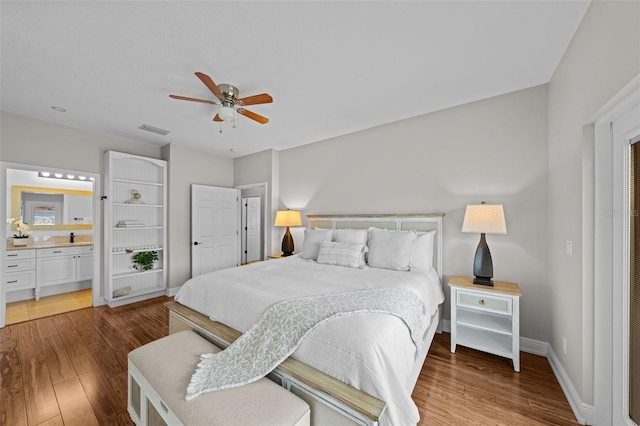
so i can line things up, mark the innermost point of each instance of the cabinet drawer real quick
(59, 251)
(12, 265)
(20, 280)
(64, 251)
(483, 302)
(20, 254)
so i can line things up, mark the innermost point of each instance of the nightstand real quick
(275, 256)
(486, 318)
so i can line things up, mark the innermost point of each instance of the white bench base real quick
(159, 374)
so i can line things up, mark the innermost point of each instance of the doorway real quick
(78, 215)
(251, 229)
(614, 218)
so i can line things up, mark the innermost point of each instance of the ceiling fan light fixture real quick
(226, 113)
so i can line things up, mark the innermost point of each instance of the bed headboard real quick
(402, 222)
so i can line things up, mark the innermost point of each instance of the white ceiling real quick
(332, 67)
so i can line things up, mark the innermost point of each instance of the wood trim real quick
(375, 216)
(360, 402)
(498, 286)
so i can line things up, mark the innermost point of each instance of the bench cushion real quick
(168, 364)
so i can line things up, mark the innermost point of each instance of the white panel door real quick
(252, 228)
(214, 228)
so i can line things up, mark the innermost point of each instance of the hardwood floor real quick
(475, 388)
(71, 369)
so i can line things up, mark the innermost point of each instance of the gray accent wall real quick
(494, 150)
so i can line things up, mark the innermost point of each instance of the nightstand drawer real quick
(484, 302)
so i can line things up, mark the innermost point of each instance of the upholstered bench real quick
(159, 373)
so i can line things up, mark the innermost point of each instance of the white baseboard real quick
(585, 413)
(171, 291)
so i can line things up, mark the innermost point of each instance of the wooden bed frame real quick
(332, 402)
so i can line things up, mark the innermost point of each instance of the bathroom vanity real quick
(48, 267)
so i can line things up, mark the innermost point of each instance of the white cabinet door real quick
(84, 267)
(56, 270)
(215, 223)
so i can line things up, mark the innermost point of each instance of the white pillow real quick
(353, 236)
(422, 252)
(340, 254)
(390, 249)
(312, 240)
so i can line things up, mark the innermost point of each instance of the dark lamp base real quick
(287, 243)
(483, 281)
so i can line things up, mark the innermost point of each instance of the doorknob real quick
(196, 243)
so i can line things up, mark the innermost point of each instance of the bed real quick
(354, 369)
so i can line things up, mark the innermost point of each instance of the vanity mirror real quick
(52, 208)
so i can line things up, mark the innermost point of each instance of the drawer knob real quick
(481, 301)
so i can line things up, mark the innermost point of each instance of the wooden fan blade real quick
(184, 98)
(252, 115)
(217, 118)
(263, 98)
(210, 84)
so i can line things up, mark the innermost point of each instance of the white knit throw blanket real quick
(279, 331)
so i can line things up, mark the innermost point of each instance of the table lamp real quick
(287, 218)
(484, 219)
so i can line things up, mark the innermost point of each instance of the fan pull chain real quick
(220, 127)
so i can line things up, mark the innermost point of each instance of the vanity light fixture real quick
(62, 176)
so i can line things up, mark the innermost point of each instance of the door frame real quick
(243, 226)
(610, 263)
(96, 284)
(264, 207)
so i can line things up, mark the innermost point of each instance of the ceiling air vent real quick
(154, 130)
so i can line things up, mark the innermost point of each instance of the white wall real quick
(494, 150)
(263, 167)
(602, 58)
(188, 166)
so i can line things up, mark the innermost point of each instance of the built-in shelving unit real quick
(135, 221)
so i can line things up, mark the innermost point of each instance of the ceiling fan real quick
(227, 96)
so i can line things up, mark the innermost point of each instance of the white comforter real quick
(372, 352)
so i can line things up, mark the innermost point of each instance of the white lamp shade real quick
(288, 218)
(484, 219)
(226, 113)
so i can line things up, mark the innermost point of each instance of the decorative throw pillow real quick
(312, 240)
(390, 249)
(341, 254)
(353, 236)
(422, 252)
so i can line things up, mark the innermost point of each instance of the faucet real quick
(71, 238)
